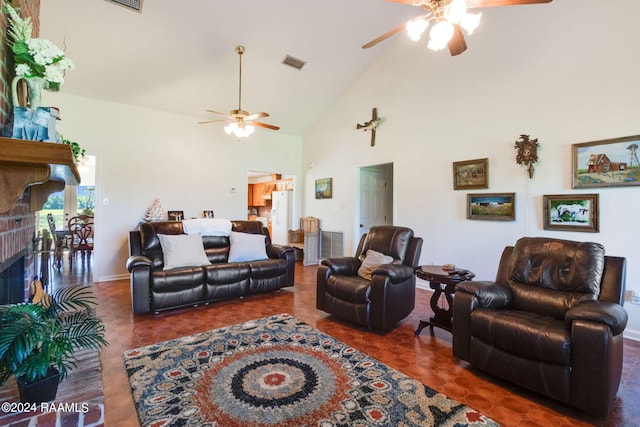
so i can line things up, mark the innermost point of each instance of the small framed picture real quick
(571, 212)
(323, 188)
(175, 215)
(606, 163)
(207, 214)
(492, 206)
(471, 174)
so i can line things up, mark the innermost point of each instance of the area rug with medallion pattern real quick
(279, 371)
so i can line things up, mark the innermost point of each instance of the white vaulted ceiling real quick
(179, 56)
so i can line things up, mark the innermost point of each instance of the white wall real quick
(565, 73)
(143, 154)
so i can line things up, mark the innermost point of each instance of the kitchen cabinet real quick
(250, 195)
(258, 200)
(261, 194)
(266, 191)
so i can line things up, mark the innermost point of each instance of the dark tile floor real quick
(426, 358)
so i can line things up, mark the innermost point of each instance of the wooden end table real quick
(441, 281)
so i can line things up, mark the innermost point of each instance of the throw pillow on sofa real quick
(371, 261)
(247, 247)
(182, 250)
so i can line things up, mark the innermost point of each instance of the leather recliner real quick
(379, 303)
(551, 322)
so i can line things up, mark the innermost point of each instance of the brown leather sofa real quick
(551, 322)
(379, 303)
(154, 289)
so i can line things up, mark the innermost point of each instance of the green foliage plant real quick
(77, 151)
(37, 336)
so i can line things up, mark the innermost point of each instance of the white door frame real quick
(388, 167)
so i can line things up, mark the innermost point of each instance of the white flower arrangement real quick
(35, 57)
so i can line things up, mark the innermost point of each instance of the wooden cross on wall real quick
(371, 125)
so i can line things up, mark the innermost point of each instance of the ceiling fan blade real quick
(385, 36)
(457, 45)
(214, 121)
(493, 3)
(256, 116)
(218, 113)
(264, 125)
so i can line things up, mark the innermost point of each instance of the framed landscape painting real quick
(571, 212)
(471, 174)
(496, 206)
(606, 163)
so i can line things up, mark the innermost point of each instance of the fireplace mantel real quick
(44, 166)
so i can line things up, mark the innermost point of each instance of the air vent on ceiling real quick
(129, 4)
(293, 62)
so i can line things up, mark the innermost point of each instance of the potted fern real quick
(38, 341)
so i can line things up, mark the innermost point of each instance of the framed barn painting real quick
(571, 212)
(606, 163)
(471, 174)
(496, 206)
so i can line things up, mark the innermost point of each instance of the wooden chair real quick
(61, 240)
(81, 229)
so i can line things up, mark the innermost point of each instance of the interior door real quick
(373, 199)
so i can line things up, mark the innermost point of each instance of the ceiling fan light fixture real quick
(450, 17)
(239, 130)
(440, 35)
(455, 11)
(416, 27)
(470, 22)
(241, 123)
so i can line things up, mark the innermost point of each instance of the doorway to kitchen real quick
(271, 200)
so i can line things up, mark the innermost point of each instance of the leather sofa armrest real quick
(140, 268)
(488, 294)
(396, 273)
(278, 251)
(138, 261)
(608, 313)
(347, 266)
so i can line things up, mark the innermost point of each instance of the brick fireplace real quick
(17, 226)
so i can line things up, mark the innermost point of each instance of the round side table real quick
(442, 282)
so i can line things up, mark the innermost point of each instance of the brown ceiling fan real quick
(450, 18)
(241, 123)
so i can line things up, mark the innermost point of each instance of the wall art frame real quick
(208, 214)
(471, 174)
(571, 212)
(175, 215)
(491, 206)
(606, 163)
(324, 188)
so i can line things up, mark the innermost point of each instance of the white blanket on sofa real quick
(207, 226)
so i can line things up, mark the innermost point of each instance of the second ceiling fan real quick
(241, 123)
(450, 18)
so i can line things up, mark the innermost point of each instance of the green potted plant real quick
(77, 151)
(38, 341)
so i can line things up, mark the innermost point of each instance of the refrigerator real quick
(281, 213)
